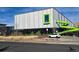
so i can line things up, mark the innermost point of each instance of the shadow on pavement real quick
(71, 49)
(4, 48)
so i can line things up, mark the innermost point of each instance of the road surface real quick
(36, 47)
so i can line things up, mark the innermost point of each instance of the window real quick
(46, 18)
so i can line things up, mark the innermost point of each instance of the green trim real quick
(65, 24)
(46, 23)
(43, 18)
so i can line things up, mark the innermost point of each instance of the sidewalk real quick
(62, 40)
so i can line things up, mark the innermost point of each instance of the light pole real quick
(47, 30)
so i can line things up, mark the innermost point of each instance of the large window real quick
(46, 19)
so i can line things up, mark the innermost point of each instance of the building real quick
(3, 29)
(43, 21)
(10, 30)
(76, 24)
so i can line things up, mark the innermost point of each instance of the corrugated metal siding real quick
(70, 23)
(15, 22)
(56, 17)
(40, 19)
(59, 17)
(63, 18)
(36, 22)
(35, 19)
(31, 21)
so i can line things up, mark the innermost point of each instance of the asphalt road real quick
(36, 47)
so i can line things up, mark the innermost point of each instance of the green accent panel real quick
(46, 23)
(64, 24)
(43, 19)
(67, 27)
(69, 31)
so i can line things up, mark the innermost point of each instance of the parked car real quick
(54, 36)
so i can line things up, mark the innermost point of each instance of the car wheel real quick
(56, 36)
(49, 36)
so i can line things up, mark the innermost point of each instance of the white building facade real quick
(39, 19)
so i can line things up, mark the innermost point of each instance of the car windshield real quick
(54, 34)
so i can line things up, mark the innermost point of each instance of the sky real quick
(7, 13)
